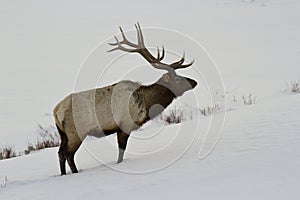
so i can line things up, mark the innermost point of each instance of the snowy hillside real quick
(252, 47)
(257, 157)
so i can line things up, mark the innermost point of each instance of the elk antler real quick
(143, 51)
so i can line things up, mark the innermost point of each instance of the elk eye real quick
(177, 79)
(166, 78)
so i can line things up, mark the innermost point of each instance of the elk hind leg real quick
(62, 151)
(74, 142)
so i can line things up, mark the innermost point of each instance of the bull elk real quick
(119, 108)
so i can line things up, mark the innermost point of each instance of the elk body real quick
(119, 108)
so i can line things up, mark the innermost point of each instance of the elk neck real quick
(157, 94)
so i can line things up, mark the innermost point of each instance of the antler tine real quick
(114, 44)
(122, 32)
(120, 47)
(125, 40)
(162, 53)
(159, 58)
(187, 65)
(184, 66)
(179, 62)
(137, 33)
(141, 43)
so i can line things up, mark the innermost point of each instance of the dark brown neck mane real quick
(156, 94)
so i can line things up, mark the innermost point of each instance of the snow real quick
(256, 157)
(255, 46)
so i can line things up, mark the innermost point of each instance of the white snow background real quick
(255, 45)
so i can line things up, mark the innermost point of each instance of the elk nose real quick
(192, 82)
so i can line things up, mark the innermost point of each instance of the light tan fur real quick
(99, 110)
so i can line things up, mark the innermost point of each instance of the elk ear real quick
(166, 78)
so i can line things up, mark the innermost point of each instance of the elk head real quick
(176, 83)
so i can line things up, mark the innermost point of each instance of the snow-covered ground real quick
(255, 45)
(257, 157)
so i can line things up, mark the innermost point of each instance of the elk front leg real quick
(122, 143)
(70, 159)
